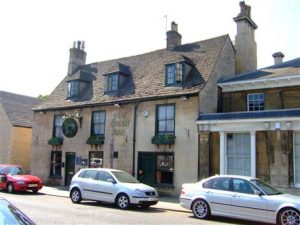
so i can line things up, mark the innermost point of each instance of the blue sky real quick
(36, 35)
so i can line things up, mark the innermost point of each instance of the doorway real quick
(147, 168)
(70, 167)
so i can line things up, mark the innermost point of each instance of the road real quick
(46, 209)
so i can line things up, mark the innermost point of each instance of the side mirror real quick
(257, 192)
(111, 180)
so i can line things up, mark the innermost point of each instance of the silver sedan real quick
(240, 197)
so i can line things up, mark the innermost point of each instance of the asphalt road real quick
(46, 209)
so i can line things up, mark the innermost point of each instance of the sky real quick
(36, 35)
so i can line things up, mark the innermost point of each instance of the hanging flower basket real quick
(56, 141)
(166, 139)
(95, 140)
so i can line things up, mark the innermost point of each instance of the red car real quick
(13, 178)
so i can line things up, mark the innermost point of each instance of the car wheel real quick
(35, 190)
(289, 216)
(122, 201)
(76, 195)
(10, 188)
(200, 209)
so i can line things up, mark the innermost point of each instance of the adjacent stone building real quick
(256, 131)
(16, 118)
(136, 113)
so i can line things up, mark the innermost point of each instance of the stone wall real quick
(6, 130)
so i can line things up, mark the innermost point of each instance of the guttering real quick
(134, 138)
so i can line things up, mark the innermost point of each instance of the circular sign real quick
(69, 127)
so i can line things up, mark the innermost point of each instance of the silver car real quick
(240, 197)
(114, 186)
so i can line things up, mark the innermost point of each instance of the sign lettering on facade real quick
(119, 123)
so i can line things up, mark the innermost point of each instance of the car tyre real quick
(289, 216)
(122, 201)
(200, 209)
(35, 191)
(76, 195)
(10, 188)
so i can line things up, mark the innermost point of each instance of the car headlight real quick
(20, 182)
(138, 192)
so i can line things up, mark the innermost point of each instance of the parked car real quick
(9, 214)
(110, 185)
(240, 197)
(13, 178)
(96, 162)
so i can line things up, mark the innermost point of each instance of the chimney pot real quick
(278, 57)
(173, 37)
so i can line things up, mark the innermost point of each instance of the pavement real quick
(164, 203)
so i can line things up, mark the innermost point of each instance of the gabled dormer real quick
(177, 72)
(116, 78)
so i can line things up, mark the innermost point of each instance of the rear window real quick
(88, 174)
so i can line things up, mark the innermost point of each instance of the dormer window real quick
(73, 89)
(112, 82)
(174, 73)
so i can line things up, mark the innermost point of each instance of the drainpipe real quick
(134, 138)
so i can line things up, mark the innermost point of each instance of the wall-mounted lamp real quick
(267, 125)
(277, 126)
(117, 105)
(184, 98)
(288, 124)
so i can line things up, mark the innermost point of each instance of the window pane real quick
(170, 112)
(161, 125)
(165, 167)
(161, 112)
(256, 102)
(55, 164)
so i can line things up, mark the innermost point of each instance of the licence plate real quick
(32, 185)
(152, 199)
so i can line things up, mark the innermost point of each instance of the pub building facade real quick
(138, 113)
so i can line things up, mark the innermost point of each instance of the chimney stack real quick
(278, 57)
(77, 56)
(245, 45)
(173, 37)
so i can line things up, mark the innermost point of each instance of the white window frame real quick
(259, 107)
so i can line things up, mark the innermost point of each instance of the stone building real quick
(136, 113)
(256, 131)
(16, 118)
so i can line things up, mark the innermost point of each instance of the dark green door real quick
(70, 167)
(147, 168)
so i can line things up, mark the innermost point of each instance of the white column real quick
(222, 152)
(253, 153)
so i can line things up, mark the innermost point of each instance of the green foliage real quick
(95, 140)
(56, 141)
(43, 97)
(166, 139)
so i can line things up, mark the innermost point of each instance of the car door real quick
(219, 196)
(3, 177)
(86, 182)
(104, 187)
(245, 203)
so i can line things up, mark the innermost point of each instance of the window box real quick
(166, 139)
(95, 140)
(56, 141)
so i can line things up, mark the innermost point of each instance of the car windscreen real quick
(15, 170)
(9, 214)
(266, 188)
(124, 177)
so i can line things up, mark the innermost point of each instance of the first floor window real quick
(166, 119)
(55, 164)
(256, 102)
(164, 169)
(58, 132)
(238, 154)
(98, 123)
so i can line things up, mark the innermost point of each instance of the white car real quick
(240, 197)
(110, 185)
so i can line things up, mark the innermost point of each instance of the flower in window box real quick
(95, 140)
(56, 141)
(165, 139)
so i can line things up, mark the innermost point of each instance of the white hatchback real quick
(110, 185)
(240, 197)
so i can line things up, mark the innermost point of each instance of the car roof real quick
(102, 169)
(233, 176)
(8, 165)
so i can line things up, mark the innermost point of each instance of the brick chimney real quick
(245, 45)
(77, 56)
(173, 37)
(278, 57)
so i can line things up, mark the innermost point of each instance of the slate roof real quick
(18, 108)
(145, 76)
(288, 68)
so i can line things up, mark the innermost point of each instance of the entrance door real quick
(297, 159)
(147, 168)
(70, 167)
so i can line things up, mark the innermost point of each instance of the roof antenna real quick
(165, 16)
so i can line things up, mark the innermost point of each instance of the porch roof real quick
(281, 113)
